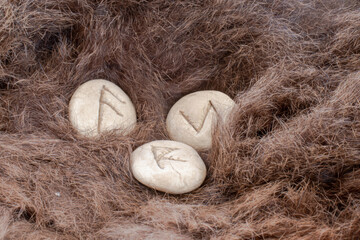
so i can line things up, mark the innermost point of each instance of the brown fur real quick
(287, 166)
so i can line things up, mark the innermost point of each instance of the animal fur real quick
(286, 167)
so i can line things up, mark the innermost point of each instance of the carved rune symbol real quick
(105, 95)
(198, 127)
(161, 154)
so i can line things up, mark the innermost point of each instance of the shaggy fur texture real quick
(286, 167)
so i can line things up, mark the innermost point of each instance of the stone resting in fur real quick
(287, 165)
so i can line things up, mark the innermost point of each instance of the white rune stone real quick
(98, 106)
(191, 118)
(168, 166)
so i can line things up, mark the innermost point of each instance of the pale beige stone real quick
(191, 118)
(168, 166)
(98, 106)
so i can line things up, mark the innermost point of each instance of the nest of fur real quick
(287, 166)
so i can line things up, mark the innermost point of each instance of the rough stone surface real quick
(98, 106)
(168, 166)
(191, 118)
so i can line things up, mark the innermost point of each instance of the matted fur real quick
(287, 166)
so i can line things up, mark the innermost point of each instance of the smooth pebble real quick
(168, 166)
(98, 106)
(191, 118)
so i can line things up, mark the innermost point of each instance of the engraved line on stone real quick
(176, 171)
(103, 101)
(161, 154)
(108, 90)
(209, 106)
(113, 108)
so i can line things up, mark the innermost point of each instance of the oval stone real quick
(98, 106)
(191, 118)
(168, 166)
